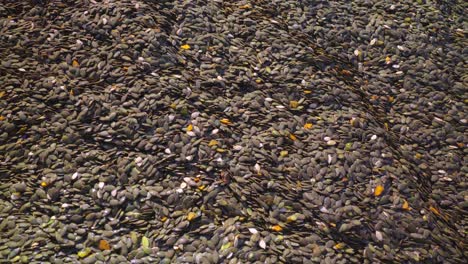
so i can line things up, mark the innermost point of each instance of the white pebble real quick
(374, 137)
(379, 235)
(262, 244)
(75, 175)
(253, 230)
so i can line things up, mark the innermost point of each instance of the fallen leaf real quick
(104, 245)
(307, 91)
(339, 246)
(164, 219)
(44, 184)
(434, 210)
(185, 47)
(191, 216)
(291, 218)
(308, 125)
(75, 63)
(2, 118)
(277, 228)
(201, 187)
(225, 121)
(391, 99)
(378, 190)
(405, 206)
(145, 242)
(346, 72)
(84, 253)
(189, 127)
(388, 60)
(226, 246)
(283, 153)
(292, 137)
(293, 104)
(212, 143)
(2, 93)
(247, 6)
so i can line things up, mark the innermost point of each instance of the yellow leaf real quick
(164, 219)
(189, 127)
(292, 137)
(212, 143)
(75, 63)
(2, 93)
(308, 125)
(185, 47)
(247, 6)
(84, 253)
(2, 118)
(71, 92)
(173, 105)
(388, 60)
(104, 245)
(258, 80)
(339, 246)
(378, 190)
(405, 206)
(277, 228)
(391, 99)
(291, 218)
(201, 187)
(44, 184)
(221, 150)
(434, 210)
(225, 121)
(307, 91)
(283, 153)
(417, 156)
(191, 216)
(293, 104)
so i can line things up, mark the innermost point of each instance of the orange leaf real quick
(189, 127)
(339, 246)
(2, 118)
(308, 125)
(277, 228)
(104, 245)
(378, 190)
(292, 137)
(75, 63)
(225, 121)
(405, 206)
(434, 210)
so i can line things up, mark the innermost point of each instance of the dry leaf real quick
(405, 205)
(247, 6)
(75, 63)
(307, 91)
(339, 246)
(378, 190)
(293, 104)
(191, 216)
(434, 210)
(308, 125)
(292, 137)
(283, 153)
(164, 219)
(104, 245)
(388, 60)
(2, 118)
(225, 121)
(277, 228)
(185, 47)
(2, 93)
(212, 143)
(189, 127)
(44, 184)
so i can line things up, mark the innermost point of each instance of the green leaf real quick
(145, 242)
